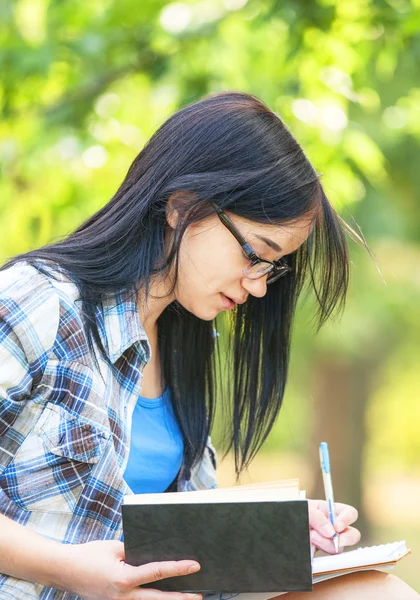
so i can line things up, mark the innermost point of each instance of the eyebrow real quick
(269, 242)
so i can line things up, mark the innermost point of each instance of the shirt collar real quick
(118, 323)
(122, 326)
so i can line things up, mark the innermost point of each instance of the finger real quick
(345, 517)
(322, 543)
(319, 522)
(349, 537)
(151, 594)
(161, 570)
(345, 514)
(322, 505)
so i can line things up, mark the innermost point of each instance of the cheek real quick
(198, 294)
(204, 263)
(204, 272)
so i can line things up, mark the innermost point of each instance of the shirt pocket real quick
(54, 463)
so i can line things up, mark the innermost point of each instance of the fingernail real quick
(194, 569)
(328, 530)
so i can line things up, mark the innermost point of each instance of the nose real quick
(256, 287)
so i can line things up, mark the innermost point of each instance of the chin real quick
(204, 313)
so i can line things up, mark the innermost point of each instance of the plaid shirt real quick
(65, 424)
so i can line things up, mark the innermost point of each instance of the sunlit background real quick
(84, 84)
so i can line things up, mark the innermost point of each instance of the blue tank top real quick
(156, 448)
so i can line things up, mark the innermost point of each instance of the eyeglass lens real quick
(260, 270)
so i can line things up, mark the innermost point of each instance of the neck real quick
(151, 307)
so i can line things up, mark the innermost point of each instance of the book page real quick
(280, 483)
(371, 555)
(213, 496)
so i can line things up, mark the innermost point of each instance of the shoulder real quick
(31, 304)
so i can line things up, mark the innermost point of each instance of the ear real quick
(178, 205)
(172, 209)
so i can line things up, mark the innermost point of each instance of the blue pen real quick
(329, 494)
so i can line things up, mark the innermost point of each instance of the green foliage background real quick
(84, 83)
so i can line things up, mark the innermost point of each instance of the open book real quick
(371, 557)
(252, 538)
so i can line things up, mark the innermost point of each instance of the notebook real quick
(371, 557)
(251, 538)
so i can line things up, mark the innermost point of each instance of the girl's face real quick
(211, 261)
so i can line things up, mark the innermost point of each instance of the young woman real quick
(107, 364)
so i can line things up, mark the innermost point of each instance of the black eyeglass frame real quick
(279, 267)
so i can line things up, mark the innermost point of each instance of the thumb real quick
(156, 571)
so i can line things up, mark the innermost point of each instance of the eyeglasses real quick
(258, 267)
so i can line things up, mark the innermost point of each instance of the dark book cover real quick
(241, 546)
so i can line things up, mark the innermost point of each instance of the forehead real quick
(288, 236)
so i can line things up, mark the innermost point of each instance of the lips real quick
(227, 302)
(236, 300)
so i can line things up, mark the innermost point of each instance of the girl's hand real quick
(322, 531)
(97, 571)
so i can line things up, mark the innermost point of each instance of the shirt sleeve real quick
(29, 316)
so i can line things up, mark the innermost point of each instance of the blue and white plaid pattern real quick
(65, 425)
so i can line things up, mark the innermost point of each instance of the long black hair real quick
(231, 149)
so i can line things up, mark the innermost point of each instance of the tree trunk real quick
(341, 390)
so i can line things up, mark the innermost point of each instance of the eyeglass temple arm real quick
(247, 248)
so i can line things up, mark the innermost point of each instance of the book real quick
(384, 556)
(253, 541)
